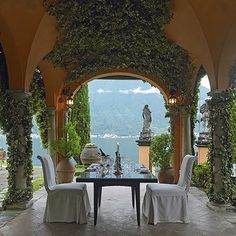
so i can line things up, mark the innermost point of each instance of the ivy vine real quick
(220, 150)
(16, 122)
(38, 106)
(102, 35)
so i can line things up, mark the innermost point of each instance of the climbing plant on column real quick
(16, 122)
(38, 106)
(220, 151)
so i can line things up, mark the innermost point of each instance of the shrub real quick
(161, 151)
(201, 175)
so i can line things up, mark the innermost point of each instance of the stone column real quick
(186, 134)
(51, 131)
(176, 134)
(220, 153)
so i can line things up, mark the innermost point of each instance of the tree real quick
(80, 116)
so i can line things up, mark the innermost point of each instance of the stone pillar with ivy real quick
(220, 152)
(17, 125)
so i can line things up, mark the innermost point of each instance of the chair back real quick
(48, 172)
(186, 172)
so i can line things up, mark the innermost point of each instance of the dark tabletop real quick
(93, 176)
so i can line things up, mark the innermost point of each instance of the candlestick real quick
(118, 147)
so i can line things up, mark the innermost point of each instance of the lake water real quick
(128, 147)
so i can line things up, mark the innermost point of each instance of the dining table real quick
(131, 178)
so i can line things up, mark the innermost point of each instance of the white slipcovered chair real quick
(168, 202)
(65, 202)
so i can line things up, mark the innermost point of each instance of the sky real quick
(150, 90)
(205, 82)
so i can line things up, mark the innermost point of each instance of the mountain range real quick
(116, 107)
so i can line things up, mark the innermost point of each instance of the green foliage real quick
(80, 116)
(38, 184)
(97, 36)
(16, 122)
(68, 146)
(38, 107)
(233, 129)
(161, 150)
(79, 169)
(201, 175)
(221, 149)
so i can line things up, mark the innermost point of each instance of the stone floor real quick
(117, 217)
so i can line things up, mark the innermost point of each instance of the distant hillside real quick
(116, 107)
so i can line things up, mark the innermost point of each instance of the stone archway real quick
(177, 119)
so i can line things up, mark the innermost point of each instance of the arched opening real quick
(116, 105)
(200, 132)
(177, 119)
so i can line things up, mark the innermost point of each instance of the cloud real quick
(104, 91)
(140, 91)
(205, 82)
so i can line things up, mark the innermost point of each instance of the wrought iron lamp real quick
(172, 100)
(68, 93)
(69, 102)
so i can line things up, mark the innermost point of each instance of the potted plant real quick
(67, 147)
(161, 153)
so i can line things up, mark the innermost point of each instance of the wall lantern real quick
(68, 92)
(172, 100)
(69, 102)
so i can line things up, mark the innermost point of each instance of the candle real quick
(118, 147)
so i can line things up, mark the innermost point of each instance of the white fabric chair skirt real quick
(67, 203)
(165, 203)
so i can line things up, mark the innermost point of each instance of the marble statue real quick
(147, 119)
(205, 116)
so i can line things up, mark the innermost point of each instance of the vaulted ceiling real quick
(206, 29)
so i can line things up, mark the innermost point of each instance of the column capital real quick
(18, 94)
(221, 96)
(51, 111)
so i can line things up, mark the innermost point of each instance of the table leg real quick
(137, 193)
(100, 196)
(133, 193)
(95, 195)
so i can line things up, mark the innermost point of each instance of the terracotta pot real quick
(65, 170)
(166, 176)
(90, 154)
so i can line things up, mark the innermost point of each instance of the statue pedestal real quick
(202, 145)
(144, 147)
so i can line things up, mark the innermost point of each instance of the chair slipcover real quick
(65, 202)
(168, 202)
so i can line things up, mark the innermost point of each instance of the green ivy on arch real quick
(102, 35)
(38, 106)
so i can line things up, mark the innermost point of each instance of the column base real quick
(20, 205)
(220, 207)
